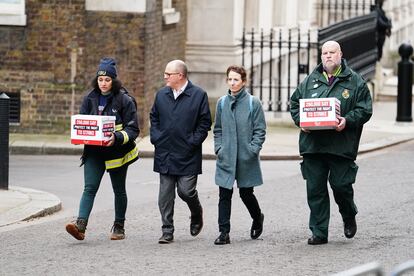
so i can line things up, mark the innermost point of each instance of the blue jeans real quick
(94, 168)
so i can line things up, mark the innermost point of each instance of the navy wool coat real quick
(178, 129)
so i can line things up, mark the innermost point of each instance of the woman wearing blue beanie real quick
(108, 98)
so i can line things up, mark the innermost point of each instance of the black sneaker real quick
(118, 231)
(77, 228)
(166, 238)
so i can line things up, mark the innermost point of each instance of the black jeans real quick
(248, 198)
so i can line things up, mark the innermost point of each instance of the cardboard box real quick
(319, 113)
(91, 129)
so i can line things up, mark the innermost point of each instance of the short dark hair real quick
(116, 85)
(238, 69)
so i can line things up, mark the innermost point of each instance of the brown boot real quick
(77, 228)
(118, 231)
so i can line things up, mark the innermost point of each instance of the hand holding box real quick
(319, 113)
(91, 129)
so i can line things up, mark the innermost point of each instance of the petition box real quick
(91, 129)
(320, 113)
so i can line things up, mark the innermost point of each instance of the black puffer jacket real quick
(122, 106)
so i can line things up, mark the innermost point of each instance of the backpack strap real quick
(222, 99)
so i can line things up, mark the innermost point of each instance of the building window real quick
(116, 5)
(169, 14)
(12, 12)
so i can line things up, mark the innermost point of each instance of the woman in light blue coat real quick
(239, 133)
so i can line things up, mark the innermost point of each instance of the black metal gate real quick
(277, 62)
(280, 59)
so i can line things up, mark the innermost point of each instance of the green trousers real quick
(94, 169)
(317, 169)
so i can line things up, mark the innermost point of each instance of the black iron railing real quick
(357, 37)
(277, 61)
(333, 11)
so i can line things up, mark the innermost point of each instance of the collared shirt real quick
(178, 92)
(333, 76)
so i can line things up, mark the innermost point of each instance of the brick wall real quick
(163, 44)
(62, 38)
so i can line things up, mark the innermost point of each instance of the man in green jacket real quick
(330, 154)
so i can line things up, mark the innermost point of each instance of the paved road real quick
(384, 195)
(62, 176)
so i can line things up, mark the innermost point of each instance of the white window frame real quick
(169, 14)
(13, 14)
(133, 6)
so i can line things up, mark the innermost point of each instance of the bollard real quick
(4, 141)
(405, 82)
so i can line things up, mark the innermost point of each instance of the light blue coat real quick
(239, 133)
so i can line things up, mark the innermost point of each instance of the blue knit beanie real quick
(107, 67)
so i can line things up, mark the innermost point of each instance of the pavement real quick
(19, 204)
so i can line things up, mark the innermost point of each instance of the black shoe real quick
(224, 238)
(196, 223)
(257, 228)
(118, 231)
(314, 240)
(166, 238)
(350, 228)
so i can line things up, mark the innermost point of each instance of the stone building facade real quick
(215, 29)
(50, 49)
(49, 57)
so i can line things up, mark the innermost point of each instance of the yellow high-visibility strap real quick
(126, 137)
(118, 127)
(116, 163)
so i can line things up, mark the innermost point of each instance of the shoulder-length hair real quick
(116, 85)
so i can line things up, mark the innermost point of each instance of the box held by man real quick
(319, 113)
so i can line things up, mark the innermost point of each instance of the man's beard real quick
(331, 67)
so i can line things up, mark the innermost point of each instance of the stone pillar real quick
(214, 30)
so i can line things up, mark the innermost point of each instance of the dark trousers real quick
(94, 168)
(380, 45)
(317, 169)
(186, 189)
(224, 206)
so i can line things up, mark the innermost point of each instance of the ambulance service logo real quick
(345, 94)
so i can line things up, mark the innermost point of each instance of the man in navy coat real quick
(180, 120)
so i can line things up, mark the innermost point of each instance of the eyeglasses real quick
(166, 74)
